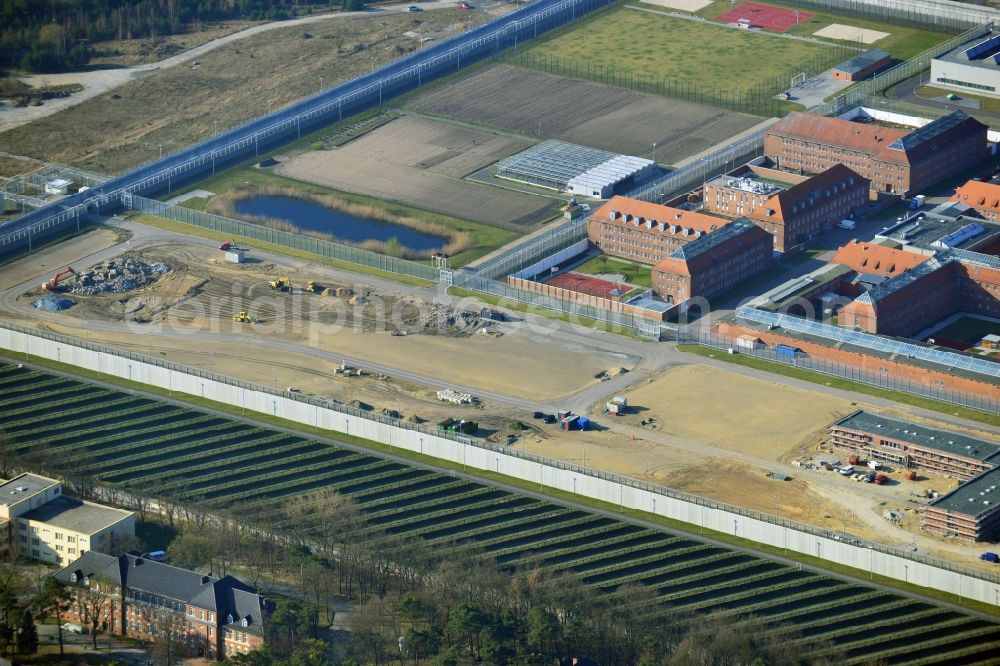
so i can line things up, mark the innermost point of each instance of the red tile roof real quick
(979, 195)
(631, 210)
(861, 137)
(787, 203)
(872, 259)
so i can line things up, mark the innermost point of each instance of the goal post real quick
(799, 79)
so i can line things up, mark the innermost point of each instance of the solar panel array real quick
(874, 342)
(982, 48)
(929, 131)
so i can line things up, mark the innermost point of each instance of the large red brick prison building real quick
(714, 263)
(646, 232)
(950, 281)
(896, 161)
(795, 214)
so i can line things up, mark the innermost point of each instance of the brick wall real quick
(584, 299)
(916, 374)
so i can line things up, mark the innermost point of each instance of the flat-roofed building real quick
(42, 524)
(862, 65)
(912, 446)
(972, 67)
(970, 512)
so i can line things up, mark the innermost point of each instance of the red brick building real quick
(133, 596)
(737, 196)
(714, 263)
(871, 259)
(812, 207)
(896, 161)
(646, 232)
(862, 65)
(951, 281)
(984, 198)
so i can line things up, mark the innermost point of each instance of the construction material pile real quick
(53, 303)
(445, 319)
(119, 275)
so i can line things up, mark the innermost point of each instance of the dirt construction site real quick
(696, 427)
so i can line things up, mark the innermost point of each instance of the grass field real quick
(968, 329)
(985, 103)
(234, 83)
(486, 238)
(689, 51)
(903, 42)
(637, 274)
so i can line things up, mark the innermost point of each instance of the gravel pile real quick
(448, 320)
(117, 276)
(52, 303)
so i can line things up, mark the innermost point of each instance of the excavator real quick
(53, 282)
(242, 317)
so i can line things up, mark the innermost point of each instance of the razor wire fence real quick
(881, 379)
(758, 98)
(240, 229)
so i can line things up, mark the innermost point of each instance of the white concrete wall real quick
(547, 473)
(548, 262)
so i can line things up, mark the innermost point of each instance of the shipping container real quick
(786, 350)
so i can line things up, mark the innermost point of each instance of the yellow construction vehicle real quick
(242, 317)
(312, 287)
(281, 284)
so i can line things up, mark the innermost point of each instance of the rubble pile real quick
(53, 303)
(116, 276)
(447, 320)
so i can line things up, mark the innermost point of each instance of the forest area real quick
(44, 36)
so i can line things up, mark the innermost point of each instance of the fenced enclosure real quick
(757, 98)
(884, 380)
(940, 14)
(241, 229)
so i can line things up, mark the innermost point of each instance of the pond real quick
(311, 216)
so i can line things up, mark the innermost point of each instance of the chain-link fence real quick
(881, 379)
(759, 97)
(239, 229)
(934, 14)
(859, 94)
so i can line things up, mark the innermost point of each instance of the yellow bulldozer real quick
(281, 284)
(242, 317)
(313, 287)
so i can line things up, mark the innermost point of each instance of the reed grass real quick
(453, 241)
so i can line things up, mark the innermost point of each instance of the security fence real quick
(241, 229)
(522, 255)
(759, 97)
(42, 338)
(861, 93)
(936, 14)
(884, 380)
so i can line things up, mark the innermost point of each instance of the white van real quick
(847, 224)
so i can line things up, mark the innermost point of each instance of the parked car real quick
(548, 418)
(465, 5)
(990, 557)
(413, 8)
(537, 415)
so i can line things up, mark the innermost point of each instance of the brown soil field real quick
(732, 411)
(234, 83)
(421, 162)
(128, 52)
(196, 301)
(580, 112)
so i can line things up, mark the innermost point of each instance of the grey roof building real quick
(221, 616)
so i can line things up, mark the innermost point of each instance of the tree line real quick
(43, 36)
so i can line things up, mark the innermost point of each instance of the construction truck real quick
(53, 282)
(314, 288)
(242, 317)
(281, 284)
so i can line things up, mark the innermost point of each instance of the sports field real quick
(587, 284)
(902, 42)
(702, 54)
(767, 17)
